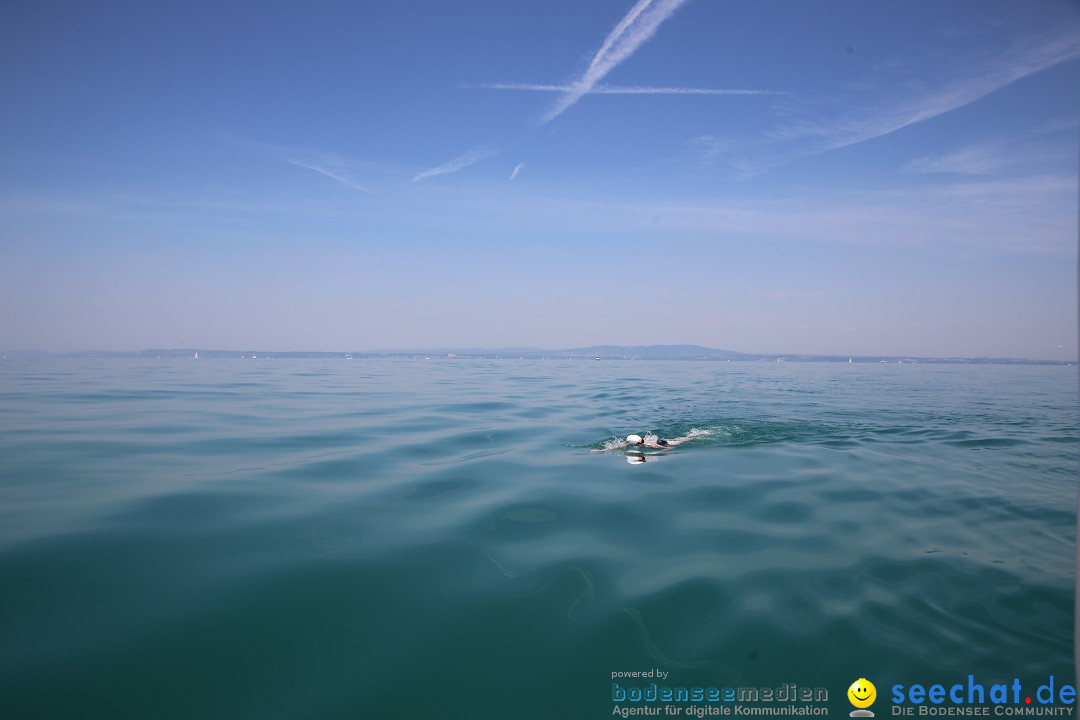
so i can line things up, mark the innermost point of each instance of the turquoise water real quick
(229, 538)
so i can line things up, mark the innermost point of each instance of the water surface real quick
(410, 539)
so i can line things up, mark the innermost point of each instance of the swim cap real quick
(634, 439)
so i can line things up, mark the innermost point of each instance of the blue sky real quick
(828, 177)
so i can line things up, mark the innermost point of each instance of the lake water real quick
(298, 538)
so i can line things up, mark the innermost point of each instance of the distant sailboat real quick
(196, 354)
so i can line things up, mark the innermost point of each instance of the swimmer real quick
(648, 441)
(653, 441)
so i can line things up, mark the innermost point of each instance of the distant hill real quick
(628, 352)
(653, 352)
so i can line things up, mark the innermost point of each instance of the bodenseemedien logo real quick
(659, 698)
(862, 694)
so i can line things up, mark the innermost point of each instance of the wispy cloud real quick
(1032, 215)
(1057, 124)
(326, 164)
(710, 148)
(626, 37)
(890, 104)
(517, 169)
(475, 155)
(333, 169)
(1026, 58)
(629, 89)
(982, 159)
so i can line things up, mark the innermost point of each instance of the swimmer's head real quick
(635, 440)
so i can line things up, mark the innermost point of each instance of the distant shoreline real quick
(606, 352)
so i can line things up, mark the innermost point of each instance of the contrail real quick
(517, 169)
(961, 88)
(333, 174)
(629, 89)
(624, 24)
(635, 28)
(462, 161)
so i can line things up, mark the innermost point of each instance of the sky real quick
(763, 176)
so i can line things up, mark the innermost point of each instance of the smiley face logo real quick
(862, 693)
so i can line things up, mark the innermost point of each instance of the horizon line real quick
(619, 352)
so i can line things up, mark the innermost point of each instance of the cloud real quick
(635, 28)
(1029, 215)
(1036, 150)
(333, 169)
(1057, 124)
(332, 166)
(474, 155)
(823, 124)
(972, 160)
(517, 169)
(629, 89)
(712, 148)
(1026, 58)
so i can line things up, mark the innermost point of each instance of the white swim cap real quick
(634, 439)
